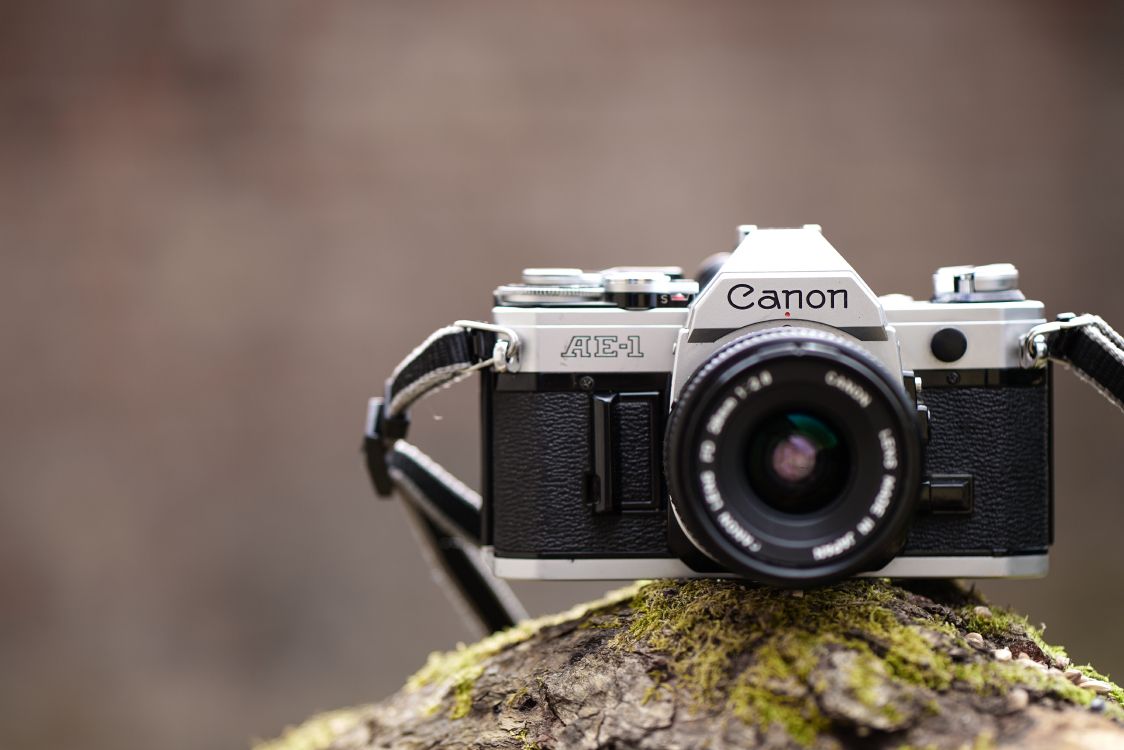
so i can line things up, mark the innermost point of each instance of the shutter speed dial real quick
(632, 288)
(996, 282)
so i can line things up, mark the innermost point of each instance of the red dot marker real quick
(788, 314)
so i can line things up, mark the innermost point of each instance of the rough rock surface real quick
(723, 664)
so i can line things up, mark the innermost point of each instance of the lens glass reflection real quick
(797, 463)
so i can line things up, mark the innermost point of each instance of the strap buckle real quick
(379, 437)
(505, 353)
(1036, 342)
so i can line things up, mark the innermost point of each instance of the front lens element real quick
(797, 463)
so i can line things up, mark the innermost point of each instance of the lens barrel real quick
(793, 458)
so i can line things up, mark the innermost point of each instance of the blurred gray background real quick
(221, 224)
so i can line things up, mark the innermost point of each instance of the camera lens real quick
(793, 457)
(797, 463)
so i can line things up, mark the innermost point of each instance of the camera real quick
(774, 420)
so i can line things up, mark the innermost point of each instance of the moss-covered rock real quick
(862, 653)
(711, 663)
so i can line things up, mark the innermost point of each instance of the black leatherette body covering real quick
(541, 451)
(999, 435)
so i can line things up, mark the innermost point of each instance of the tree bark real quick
(724, 664)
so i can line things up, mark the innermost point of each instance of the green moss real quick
(758, 653)
(799, 717)
(657, 676)
(773, 691)
(705, 626)
(457, 671)
(317, 733)
(517, 698)
(528, 743)
(985, 741)
(462, 698)
(994, 678)
(696, 624)
(755, 651)
(1003, 625)
(866, 680)
(1117, 694)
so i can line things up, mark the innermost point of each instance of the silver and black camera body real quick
(781, 423)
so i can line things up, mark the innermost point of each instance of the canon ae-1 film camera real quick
(780, 422)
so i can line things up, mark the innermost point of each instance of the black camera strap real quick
(1085, 344)
(446, 513)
